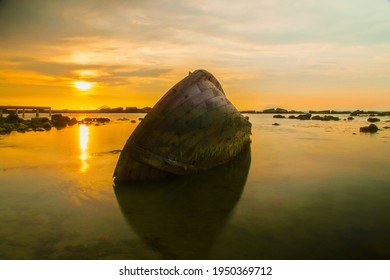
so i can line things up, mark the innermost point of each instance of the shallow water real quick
(304, 190)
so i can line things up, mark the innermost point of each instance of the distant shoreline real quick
(327, 112)
(121, 110)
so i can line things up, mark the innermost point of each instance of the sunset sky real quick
(302, 54)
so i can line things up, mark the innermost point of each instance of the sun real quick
(82, 85)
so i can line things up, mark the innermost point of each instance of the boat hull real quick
(193, 127)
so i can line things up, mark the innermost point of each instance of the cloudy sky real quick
(302, 54)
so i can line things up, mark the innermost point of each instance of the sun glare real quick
(83, 140)
(81, 85)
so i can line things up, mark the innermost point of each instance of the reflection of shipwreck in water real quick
(182, 217)
(193, 127)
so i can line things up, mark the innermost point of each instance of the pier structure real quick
(37, 109)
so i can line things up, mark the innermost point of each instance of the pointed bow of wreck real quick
(193, 127)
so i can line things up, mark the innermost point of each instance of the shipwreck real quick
(193, 127)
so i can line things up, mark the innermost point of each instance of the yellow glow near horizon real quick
(82, 85)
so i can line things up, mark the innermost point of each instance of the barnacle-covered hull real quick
(193, 127)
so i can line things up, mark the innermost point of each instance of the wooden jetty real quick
(193, 127)
(37, 109)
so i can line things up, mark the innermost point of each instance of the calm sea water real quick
(304, 190)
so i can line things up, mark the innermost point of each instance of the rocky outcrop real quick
(13, 123)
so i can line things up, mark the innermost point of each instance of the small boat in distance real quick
(193, 127)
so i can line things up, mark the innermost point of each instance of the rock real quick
(42, 120)
(47, 126)
(4, 131)
(34, 123)
(56, 117)
(373, 120)
(12, 118)
(40, 129)
(59, 121)
(276, 124)
(102, 120)
(292, 117)
(133, 121)
(279, 117)
(73, 121)
(22, 128)
(386, 127)
(331, 118)
(372, 128)
(356, 113)
(335, 118)
(304, 117)
(350, 118)
(140, 119)
(325, 118)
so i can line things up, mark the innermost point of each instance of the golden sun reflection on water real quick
(83, 140)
